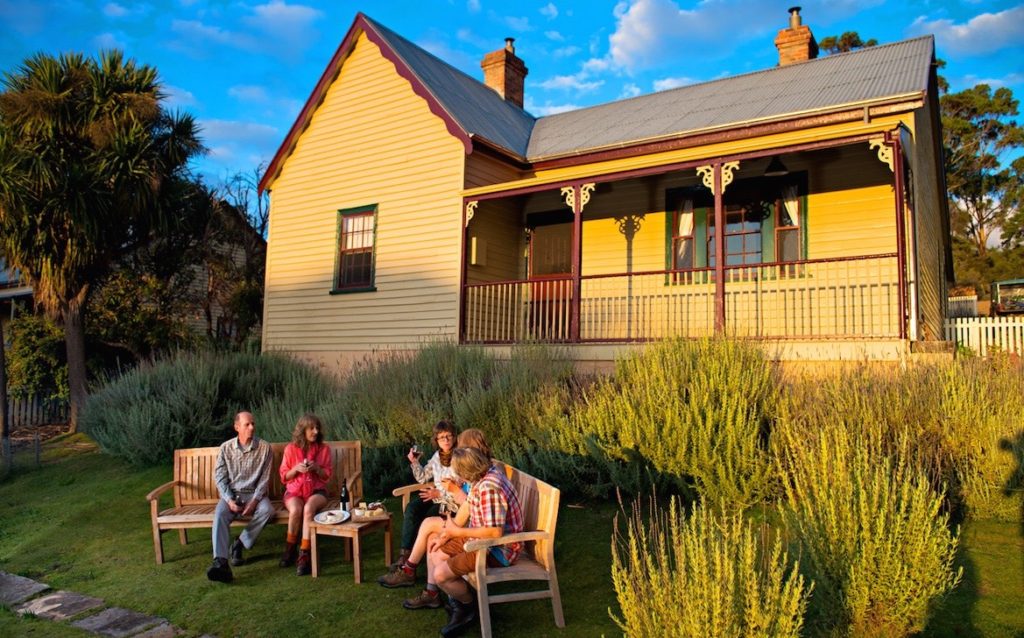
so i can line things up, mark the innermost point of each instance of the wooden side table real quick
(352, 532)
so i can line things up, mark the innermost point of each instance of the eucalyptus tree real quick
(88, 155)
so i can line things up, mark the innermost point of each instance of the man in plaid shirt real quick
(494, 511)
(242, 473)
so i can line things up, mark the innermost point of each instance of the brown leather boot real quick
(291, 551)
(402, 555)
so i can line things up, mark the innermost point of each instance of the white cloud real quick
(114, 10)
(630, 90)
(178, 97)
(982, 34)
(547, 108)
(656, 33)
(549, 11)
(473, 6)
(230, 136)
(554, 36)
(565, 52)
(195, 35)
(1009, 80)
(518, 24)
(109, 41)
(665, 84)
(289, 24)
(249, 93)
(576, 82)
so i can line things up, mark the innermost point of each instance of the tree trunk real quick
(5, 420)
(74, 341)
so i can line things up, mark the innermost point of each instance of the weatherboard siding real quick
(371, 141)
(931, 227)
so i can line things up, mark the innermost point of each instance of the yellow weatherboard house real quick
(802, 205)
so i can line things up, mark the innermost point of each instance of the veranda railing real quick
(813, 299)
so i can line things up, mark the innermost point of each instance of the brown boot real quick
(303, 566)
(402, 555)
(291, 551)
(400, 577)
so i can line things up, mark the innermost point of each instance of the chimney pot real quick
(794, 17)
(510, 45)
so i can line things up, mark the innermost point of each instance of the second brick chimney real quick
(505, 73)
(797, 43)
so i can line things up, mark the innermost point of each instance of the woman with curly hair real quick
(305, 470)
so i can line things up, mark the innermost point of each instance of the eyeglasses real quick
(445, 437)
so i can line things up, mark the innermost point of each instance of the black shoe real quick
(219, 571)
(236, 552)
(463, 617)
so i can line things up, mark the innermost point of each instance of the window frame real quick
(369, 210)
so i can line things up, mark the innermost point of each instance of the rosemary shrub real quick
(707, 575)
(871, 533)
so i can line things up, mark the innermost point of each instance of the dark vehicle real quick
(1008, 297)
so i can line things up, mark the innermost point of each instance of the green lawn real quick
(81, 523)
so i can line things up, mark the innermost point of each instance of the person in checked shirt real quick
(494, 511)
(242, 473)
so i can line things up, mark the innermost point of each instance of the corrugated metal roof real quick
(478, 109)
(868, 74)
(873, 73)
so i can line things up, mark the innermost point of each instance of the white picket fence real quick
(986, 335)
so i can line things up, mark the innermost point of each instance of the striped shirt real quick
(243, 470)
(493, 502)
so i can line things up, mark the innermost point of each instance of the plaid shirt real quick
(243, 470)
(493, 503)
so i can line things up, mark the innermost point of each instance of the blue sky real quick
(244, 69)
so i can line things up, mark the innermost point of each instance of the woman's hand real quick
(429, 493)
(301, 467)
(412, 456)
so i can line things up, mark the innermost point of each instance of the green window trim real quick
(361, 286)
(701, 213)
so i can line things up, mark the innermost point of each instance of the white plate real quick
(331, 517)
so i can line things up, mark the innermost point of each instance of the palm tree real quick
(86, 157)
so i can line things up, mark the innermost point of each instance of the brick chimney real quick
(505, 73)
(797, 43)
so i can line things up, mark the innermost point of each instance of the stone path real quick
(26, 596)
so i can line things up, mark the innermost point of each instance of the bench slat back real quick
(347, 457)
(539, 501)
(194, 468)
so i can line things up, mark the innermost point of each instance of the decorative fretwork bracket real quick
(471, 210)
(569, 193)
(884, 152)
(707, 175)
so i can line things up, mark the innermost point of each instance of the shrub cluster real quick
(706, 575)
(871, 532)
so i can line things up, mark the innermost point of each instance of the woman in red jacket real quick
(305, 470)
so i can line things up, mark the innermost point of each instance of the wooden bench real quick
(537, 561)
(195, 489)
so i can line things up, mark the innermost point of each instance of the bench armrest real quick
(406, 492)
(155, 494)
(521, 537)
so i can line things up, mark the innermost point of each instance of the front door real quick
(550, 266)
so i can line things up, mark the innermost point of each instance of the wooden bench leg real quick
(485, 610)
(387, 543)
(158, 545)
(183, 536)
(556, 598)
